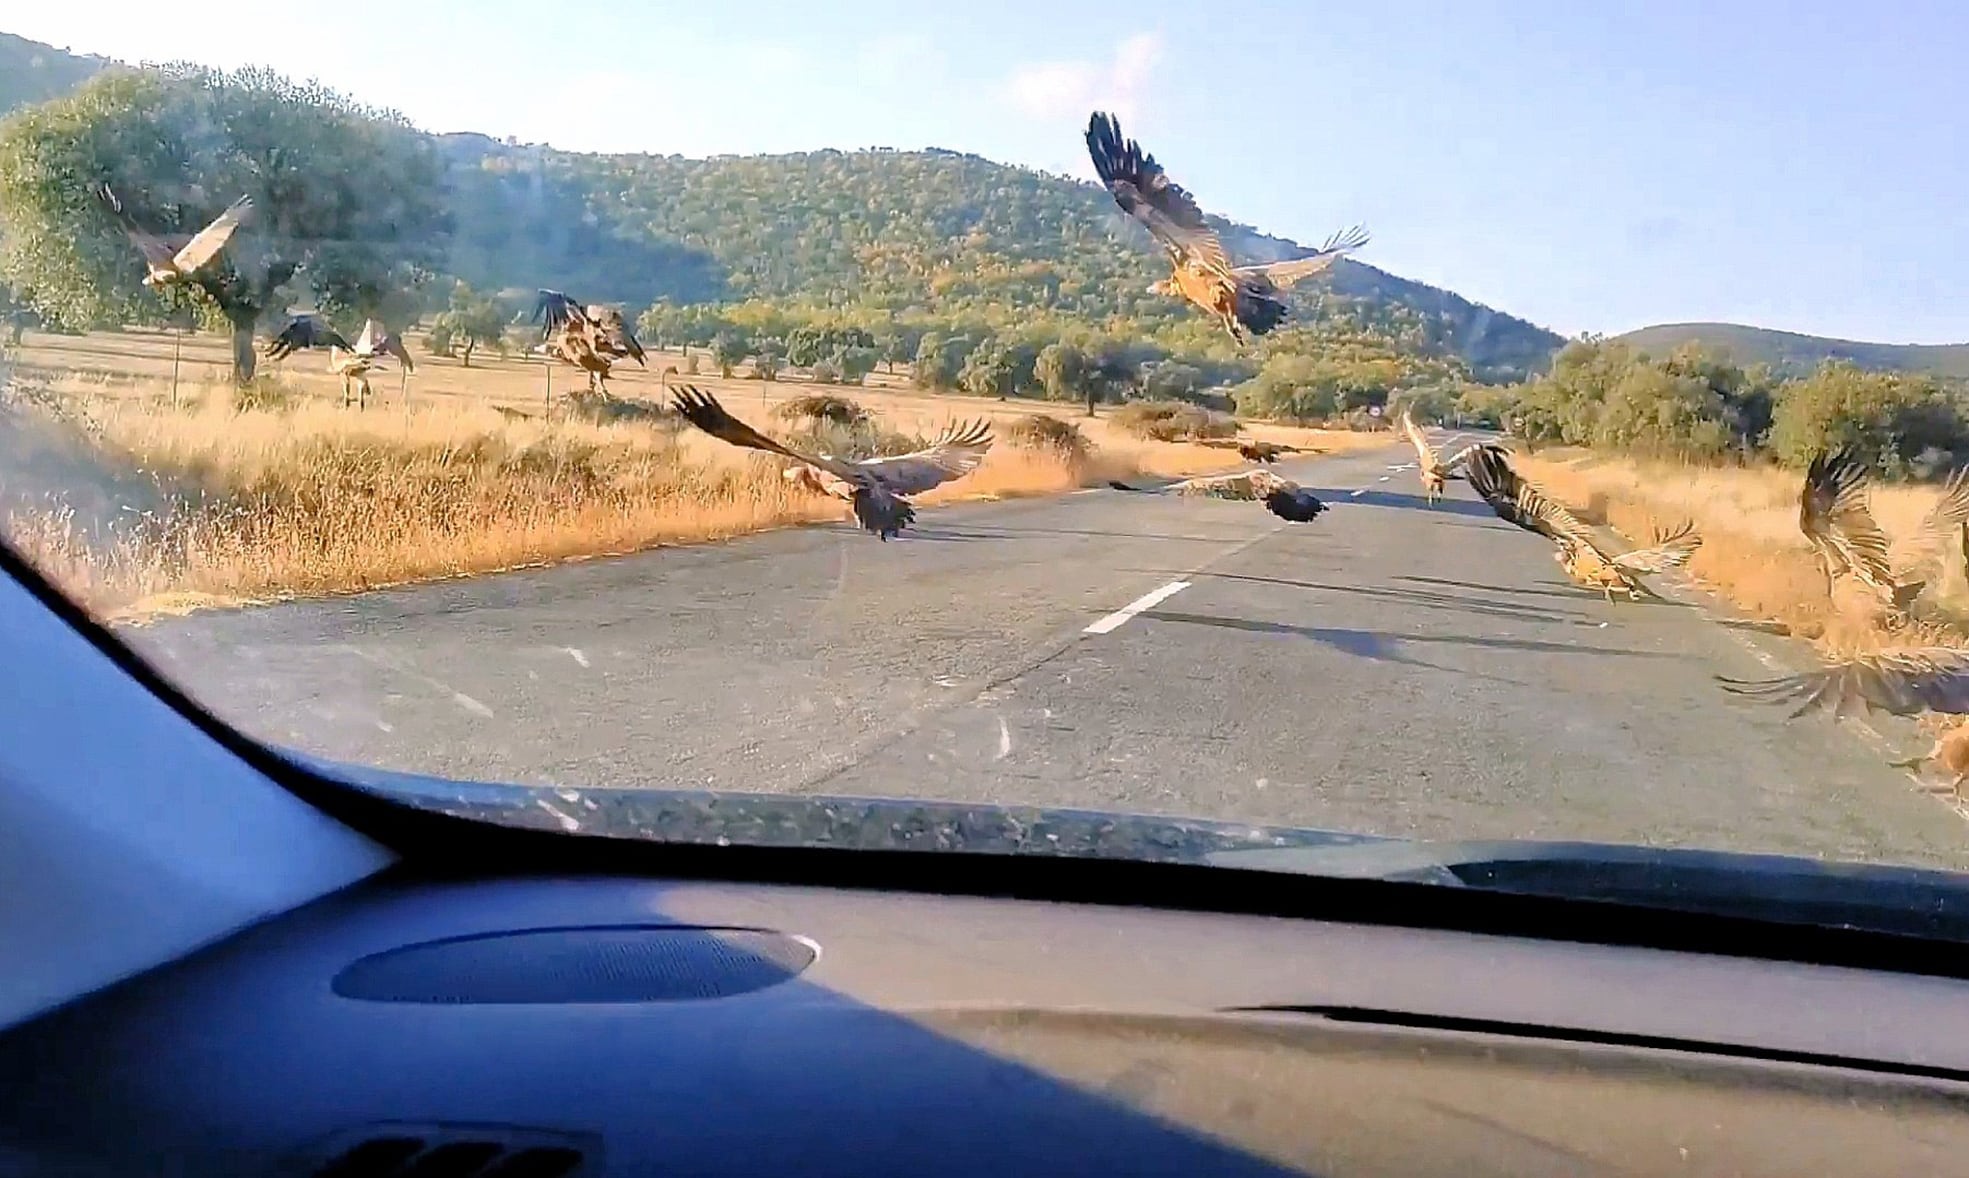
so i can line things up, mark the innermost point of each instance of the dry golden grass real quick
(1752, 553)
(287, 493)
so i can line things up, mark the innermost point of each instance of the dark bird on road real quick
(876, 507)
(1281, 496)
(1245, 299)
(170, 259)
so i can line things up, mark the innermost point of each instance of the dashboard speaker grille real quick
(613, 963)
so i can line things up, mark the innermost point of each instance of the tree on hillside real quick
(1062, 371)
(345, 196)
(1889, 418)
(729, 349)
(932, 368)
(988, 372)
(471, 319)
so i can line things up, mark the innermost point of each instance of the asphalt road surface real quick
(1389, 668)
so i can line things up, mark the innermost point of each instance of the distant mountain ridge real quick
(1792, 352)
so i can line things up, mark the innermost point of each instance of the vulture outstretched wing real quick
(1833, 514)
(1145, 192)
(613, 332)
(1670, 550)
(1284, 274)
(555, 311)
(302, 332)
(1904, 682)
(1281, 496)
(875, 508)
(376, 340)
(207, 242)
(1425, 454)
(1518, 502)
(957, 453)
(157, 255)
(1942, 528)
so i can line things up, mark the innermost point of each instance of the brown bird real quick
(1901, 682)
(362, 358)
(1436, 471)
(307, 330)
(590, 337)
(876, 508)
(956, 453)
(1849, 546)
(1256, 449)
(1281, 496)
(1517, 501)
(175, 258)
(1243, 298)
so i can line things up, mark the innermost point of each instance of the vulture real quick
(1257, 450)
(1435, 470)
(877, 509)
(590, 337)
(1847, 543)
(307, 330)
(1281, 496)
(1588, 565)
(955, 454)
(370, 347)
(1245, 299)
(174, 259)
(1903, 682)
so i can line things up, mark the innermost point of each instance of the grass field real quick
(172, 499)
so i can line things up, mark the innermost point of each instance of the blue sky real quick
(1592, 167)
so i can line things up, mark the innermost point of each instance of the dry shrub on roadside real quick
(1044, 432)
(1172, 421)
(821, 407)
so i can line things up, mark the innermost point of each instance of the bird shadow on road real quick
(1345, 497)
(1567, 594)
(1424, 598)
(1379, 644)
(1015, 533)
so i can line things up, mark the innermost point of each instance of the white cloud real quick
(1064, 89)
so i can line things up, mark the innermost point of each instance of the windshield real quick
(1441, 426)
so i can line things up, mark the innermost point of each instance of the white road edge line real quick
(1357, 494)
(1146, 601)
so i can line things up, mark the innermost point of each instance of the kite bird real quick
(1257, 450)
(1281, 496)
(304, 331)
(1585, 563)
(877, 508)
(953, 455)
(174, 259)
(590, 337)
(1245, 299)
(1436, 472)
(1903, 682)
(370, 347)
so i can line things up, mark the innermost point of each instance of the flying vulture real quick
(876, 507)
(307, 330)
(1848, 544)
(1243, 298)
(590, 337)
(1281, 496)
(175, 258)
(1517, 501)
(953, 455)
(1257, 450)
(1436, 471)
(370, 347)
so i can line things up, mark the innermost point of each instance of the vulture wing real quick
(1518, 502)
(613, 329)
(304, 331)
(1145, 192)
(1833, 514)
(207, 242)
(1944, 526)
(1284, 274)
(954, 455)
(1904, 682)
(1671, 550)
(556, 311)
(155, 252)
(1425, 454)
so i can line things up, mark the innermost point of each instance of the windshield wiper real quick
(1900, 900)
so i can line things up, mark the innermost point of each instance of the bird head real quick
(1163, 286)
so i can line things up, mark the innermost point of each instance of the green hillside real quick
(1794, 353)
(32, 72)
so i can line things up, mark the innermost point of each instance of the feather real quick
(1902, 682)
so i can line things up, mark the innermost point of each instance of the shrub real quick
(1039, 431)
(1172, 421)
(822, 407)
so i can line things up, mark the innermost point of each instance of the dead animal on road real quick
(1281, 496)
(1517, 501)
(1902, 682)
(1257, 449)
(1243, 298)
(956, 453)
(173, 259)
(1436, 472)
(876, 507)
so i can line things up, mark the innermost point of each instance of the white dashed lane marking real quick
(1146, 601)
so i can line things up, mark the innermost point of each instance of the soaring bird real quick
(361, 359)
(1903, 682)
(1517, 501)
(1281, 496)
(306, 330)
(1256, 449)
(1243, 298)
(956, 453)
(876, 507)
(174, 259)
(1435, 470)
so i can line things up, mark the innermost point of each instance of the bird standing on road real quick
(1281, 496)
(1517, 501)
(175, 259)
(956, 453)
(876, 507)
(1243, 298)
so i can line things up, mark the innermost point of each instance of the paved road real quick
(1390, 668)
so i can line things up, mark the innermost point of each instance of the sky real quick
(1591, 167)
